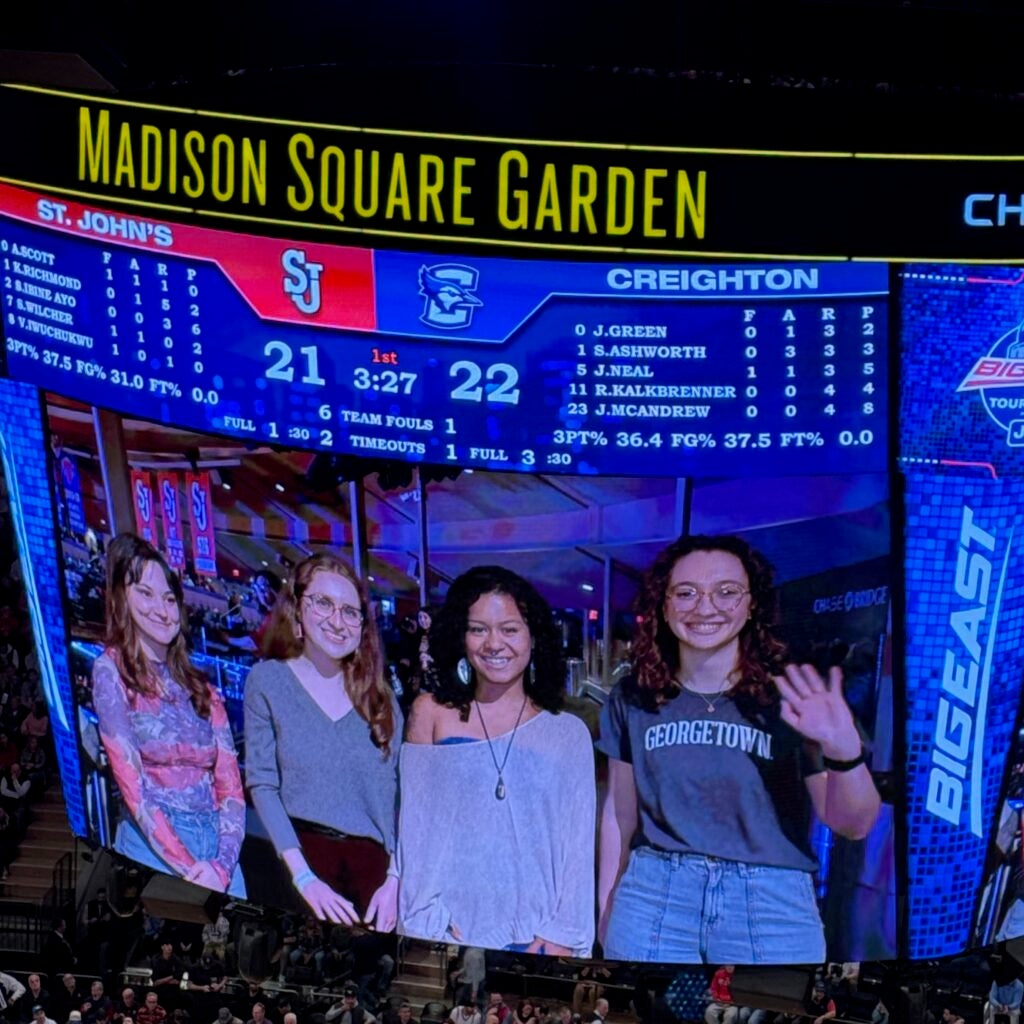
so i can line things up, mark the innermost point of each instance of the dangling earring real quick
(464, 671)
(528, 681)
(298, 630)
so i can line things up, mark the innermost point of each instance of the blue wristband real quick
(301, 880)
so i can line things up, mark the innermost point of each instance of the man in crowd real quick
(216, 937)
(207, 975)
(127, 1006)
(465, 1013)
(35, 995)
(259, 1014)
(11, 990)
(497, 1007)
(99, 921)
(167, 968)
(372, 958)
(821, 1007)
(601, 1011)
(57, 955)
(405, 1015)
(348, 1010)
(721, 1009)
(152, 1012)
(39, 1016)
(66, 998)
(225, 1016)
(1004, 999)
(254, 993)
(97, 1009)
(472, 973)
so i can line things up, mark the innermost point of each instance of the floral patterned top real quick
(166, 758)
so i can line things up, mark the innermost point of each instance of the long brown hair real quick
(656, 648)
(364, 678)
(127, 557)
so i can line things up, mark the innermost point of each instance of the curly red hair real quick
(656, 648)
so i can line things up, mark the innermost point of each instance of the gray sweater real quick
(300, 764)
(501, 871)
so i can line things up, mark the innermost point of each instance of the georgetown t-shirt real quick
(727, 783)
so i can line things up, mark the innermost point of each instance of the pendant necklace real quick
(499, 790)
(715, 697)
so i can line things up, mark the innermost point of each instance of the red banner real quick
(170, 511)
(142, 500)
(200, 503)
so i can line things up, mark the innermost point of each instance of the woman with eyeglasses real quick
(322, 733)
(164, 729)
(716, 747)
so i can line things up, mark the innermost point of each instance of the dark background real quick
(919, 76)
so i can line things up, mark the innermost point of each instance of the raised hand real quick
(818, 711)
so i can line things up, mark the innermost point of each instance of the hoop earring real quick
(464, 671)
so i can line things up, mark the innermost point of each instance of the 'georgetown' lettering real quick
(715, 734)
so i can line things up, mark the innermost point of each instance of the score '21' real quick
(282, 368)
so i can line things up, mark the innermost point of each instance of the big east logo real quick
(999, 378)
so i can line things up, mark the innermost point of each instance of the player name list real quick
(775, 382)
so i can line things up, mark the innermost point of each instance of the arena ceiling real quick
(559, 531)
(792, 71)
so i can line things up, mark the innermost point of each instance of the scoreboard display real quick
(474, 361)
(579, 386)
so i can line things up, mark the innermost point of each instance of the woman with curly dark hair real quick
(321, 746)
(491, 750)
(716, 746)
(164, 729)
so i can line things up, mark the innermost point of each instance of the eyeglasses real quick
(726, 597)
(324, 608)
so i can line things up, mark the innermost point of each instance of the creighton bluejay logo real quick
(449, 301)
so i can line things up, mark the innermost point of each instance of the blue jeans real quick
(196, 829)
(688, 908)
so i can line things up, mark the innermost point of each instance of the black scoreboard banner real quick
(582, 197)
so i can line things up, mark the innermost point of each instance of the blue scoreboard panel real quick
(544, 366)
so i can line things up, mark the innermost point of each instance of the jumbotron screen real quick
(377, 580)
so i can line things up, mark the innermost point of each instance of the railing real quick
(65, 877)
(23, 927)
(60, 898)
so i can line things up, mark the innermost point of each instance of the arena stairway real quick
(47, 839)
(421, 978)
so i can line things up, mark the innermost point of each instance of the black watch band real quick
(845, 766)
